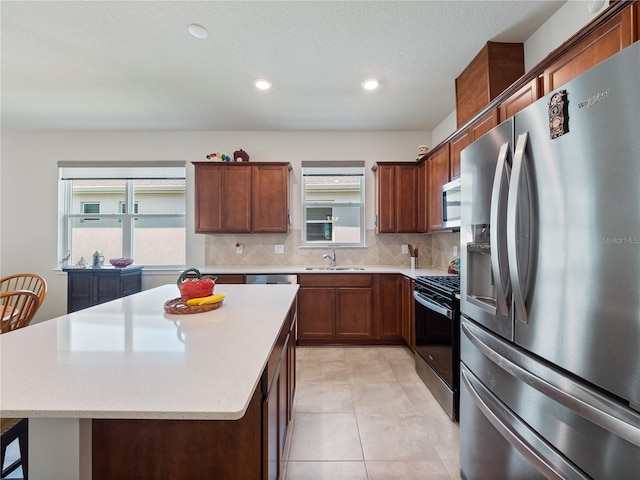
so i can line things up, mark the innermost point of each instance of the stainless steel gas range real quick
(437, 323)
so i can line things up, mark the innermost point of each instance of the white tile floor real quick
(362, 413)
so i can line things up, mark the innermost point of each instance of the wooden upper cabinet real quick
(236, 199)
(522, 98)
(457, 145)
(423, 197)
(478, 128)
(208, 188)
(603, 42)
(397, 195)
(495, 68)
(438, 171)
(386, 211)
(241, 197)
(270, 210)
(484, 124)
(406, 196)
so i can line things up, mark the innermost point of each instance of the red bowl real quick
(121, 262)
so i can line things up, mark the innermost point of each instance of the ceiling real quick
(133, 64)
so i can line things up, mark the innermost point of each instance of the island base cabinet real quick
(250, 448)
(179, 449)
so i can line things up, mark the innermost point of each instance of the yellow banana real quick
(215, 298)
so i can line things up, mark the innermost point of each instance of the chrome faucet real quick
(332, 258)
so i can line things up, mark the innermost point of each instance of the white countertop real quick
(129, 359)
(299, 269)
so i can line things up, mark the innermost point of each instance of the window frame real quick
(130, 171)
(332, 169)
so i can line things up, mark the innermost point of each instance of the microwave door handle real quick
(498, 199)
(513, 205)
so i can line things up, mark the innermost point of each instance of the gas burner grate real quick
(449, 283)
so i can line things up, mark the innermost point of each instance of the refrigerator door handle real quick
(546, 460)
(590, 405)
(513, 205)
(498, 201)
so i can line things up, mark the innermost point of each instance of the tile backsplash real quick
(436, 250)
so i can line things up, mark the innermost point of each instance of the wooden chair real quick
(17, 309)
(25, 281)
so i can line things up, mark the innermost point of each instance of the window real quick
(137, 211)
(88, 207)
(333, 204)
(123, 207)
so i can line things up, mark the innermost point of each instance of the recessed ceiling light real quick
(371, 84)
(262, 83)
(198, 31)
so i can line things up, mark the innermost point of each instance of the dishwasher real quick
(271, 279)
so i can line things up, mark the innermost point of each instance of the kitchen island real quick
(124, 390)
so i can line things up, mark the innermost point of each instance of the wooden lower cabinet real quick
(270, 440)
(279, 388)
(251, 447)
(407, 312)
(152, 449)
(355, 309)
(353, 313)
(335, 308)
(317, 313)
(87, 287)
(388, 306)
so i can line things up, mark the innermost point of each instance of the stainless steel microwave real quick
(451, 204)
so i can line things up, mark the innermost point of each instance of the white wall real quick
(569, 18)
(29, 188)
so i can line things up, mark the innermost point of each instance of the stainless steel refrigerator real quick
(550, 285)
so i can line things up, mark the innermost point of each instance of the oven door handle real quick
(432, 306)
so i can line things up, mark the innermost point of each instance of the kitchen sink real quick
(342, 269)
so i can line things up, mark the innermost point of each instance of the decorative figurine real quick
(224, 157)
(240, 156)
(422, 152)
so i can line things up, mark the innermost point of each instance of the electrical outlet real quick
(239, 249)
(278, 248)
(405, 249)
(455, 250)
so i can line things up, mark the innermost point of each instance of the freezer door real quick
(564, 428)
(497, 445)
(485, 290)
(574, 234)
